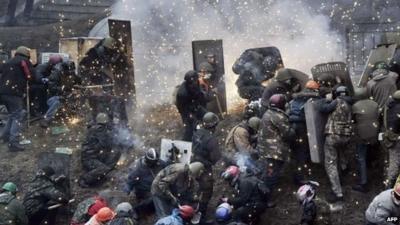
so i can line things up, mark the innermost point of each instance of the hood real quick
(6, 197)
(379, 74)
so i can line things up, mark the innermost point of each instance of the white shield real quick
(176, 151)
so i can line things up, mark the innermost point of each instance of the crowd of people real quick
(272, 135)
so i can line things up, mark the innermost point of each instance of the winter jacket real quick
(191, 101)
(296, 106)
(381, 86)
(274, 135)
(61, 81)
(122, 218)
(141, 176)
(173, 180)
(381, 208)
(42, 190)
(340, 115)
(250, 190)
(99, 145)
(309, 213)
(366, 118)
(16, 72)
(86, 209)
(173, 219)
(43, 71)
(393, 120)
(12, 211)
(275, 87)
(239, 139)
(205, 148)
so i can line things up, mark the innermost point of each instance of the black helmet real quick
(210, 120)
(191, 76)
(151, 156)
(342, 90)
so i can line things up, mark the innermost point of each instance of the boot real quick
(15, 147)
(333, 198)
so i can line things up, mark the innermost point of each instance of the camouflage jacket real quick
(42, 191)
(12, 212)
(81, 215)
(340, 116)
(239, 139)
(274, 135)
(173, 180)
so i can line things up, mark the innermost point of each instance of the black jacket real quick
(393, 120)
(62, 80)
(191, 101)
(205, 148)
(250, 190)
(14, 78)
(309, 213)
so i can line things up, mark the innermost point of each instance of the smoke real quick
(245, 163)
(163, 31)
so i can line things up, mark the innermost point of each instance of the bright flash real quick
(74, 121)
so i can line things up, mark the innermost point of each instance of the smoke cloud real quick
(163, 32)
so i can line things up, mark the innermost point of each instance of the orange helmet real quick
(312, 85)
(105, 214)
(186, 211)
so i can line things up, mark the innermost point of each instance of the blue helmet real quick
(223, 212)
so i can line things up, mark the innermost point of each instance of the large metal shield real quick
(124, 86)
(338, 69)
(200, 51)
(383, 53)
(175, 151)
(262, 62)
(316, 122)
(77, 47)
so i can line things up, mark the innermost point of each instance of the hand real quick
(45, 80)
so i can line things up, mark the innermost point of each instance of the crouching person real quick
(384, 206)
(12, 211)
(102, 217)
(124, 215)
(86, 209)
(98, 156)
(42, 193)
(179, 216)
(251, 198)
(174, 186)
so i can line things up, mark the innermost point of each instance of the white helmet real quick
(305, 193)
(124, 207)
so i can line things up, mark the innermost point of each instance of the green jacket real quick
(12, 212)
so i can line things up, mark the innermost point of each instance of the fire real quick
(74, 121)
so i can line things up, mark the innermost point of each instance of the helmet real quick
(312, 85)
(109, 43)
(151, 156)
(278, 101)
(10, 186)
(196, 169)
(102, 118)
(396, 194)
(396, 95)
(104, 214)
(232, 172)
(205, 66)
(124, 207)
(22, 50)
(223, 212)
(283, 74)
(254, 123)
(342, 90)
(48, 171)
(360, 93)
(210, 120)
(381, 65)
(191, 76)
(55, 59)
(186, 211)
(305, 193)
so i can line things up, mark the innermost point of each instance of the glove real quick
(329, 97)
(45, 80)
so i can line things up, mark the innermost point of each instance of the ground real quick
(20, 168)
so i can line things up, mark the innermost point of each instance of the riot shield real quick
(338, 69)
(301, 77)
(261, 62)
(124, 84)
(175, 151)
(315, 121)
(60, 163)
(383, 53)
(77, 47)
(202, 52)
